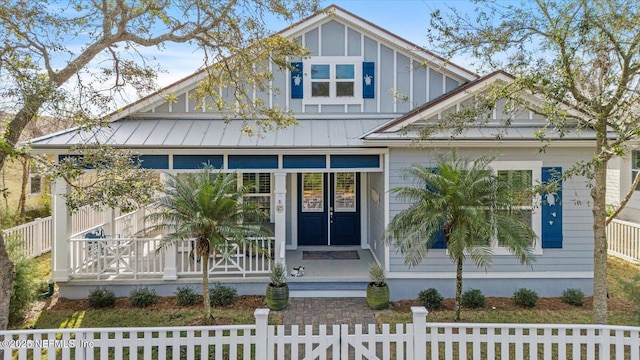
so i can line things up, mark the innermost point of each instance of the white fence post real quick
(419, 332)
(262, 321)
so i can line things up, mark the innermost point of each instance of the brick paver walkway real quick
(328, 311)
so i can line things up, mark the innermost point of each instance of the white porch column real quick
(171, 251)
(280, 217)
(61, 225)
(170, 263)
(109, 216)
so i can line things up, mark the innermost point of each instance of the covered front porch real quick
(122, 263)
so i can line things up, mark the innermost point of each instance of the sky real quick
(408, 19)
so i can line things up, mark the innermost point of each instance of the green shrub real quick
(278, 275)
(573, 297)
(142, 297)
(25, 284)
(473, 299)
(525, 298)
(222, 295)
(430, 299)
(186, 295)
(377, 274)
(101, 298)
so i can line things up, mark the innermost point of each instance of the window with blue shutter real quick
(552, 209)
(440, 243)
(297, 81)
(368, 80)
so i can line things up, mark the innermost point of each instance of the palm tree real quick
(471, 205)
(207, 206)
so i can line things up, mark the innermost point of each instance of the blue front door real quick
(328, 209)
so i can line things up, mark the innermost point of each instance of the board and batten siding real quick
(613, 181)
(576, 254)
(402, 81)
(375, 213)
(631, 211)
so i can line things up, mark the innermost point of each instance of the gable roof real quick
(332, 12)
(401, 127)
(440, 103)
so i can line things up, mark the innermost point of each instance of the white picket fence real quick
(623, 239)
(260, 341)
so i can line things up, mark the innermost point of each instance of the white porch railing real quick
(623, 238)
(84, 218)
(417, 340)
(102, 257)
(228, 259)
(36, 236)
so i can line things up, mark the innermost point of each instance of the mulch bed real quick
(243, 302)
(507, 304)
(251, 302)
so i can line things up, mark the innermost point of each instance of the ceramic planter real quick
(377, 296)
(277, 297)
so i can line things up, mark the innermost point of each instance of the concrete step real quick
(328, 289)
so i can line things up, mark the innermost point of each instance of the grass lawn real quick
(62, 313)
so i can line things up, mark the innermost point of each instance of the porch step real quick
(300, 289)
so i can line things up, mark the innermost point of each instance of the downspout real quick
(49, 293)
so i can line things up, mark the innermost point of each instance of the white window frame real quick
(34, 174)
(332, 61)
(324, 200)
(536, 212)
(353, 208)
(260, 194)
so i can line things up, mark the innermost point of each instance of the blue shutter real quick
(552, 210)
(296, 81)
(439, 242)
(368, 80)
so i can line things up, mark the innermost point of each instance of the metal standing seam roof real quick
(207, 133)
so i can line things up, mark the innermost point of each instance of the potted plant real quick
(377, 290)
(277, 295)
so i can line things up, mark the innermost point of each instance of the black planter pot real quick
(378, 296)
(277, 296)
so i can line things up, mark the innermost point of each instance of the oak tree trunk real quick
(598, 193)
(6, 283)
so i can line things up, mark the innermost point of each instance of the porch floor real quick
(330, 270)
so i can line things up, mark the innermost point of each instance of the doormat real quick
(330, 255)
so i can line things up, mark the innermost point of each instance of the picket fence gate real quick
(260, 341)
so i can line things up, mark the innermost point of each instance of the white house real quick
(326, 181)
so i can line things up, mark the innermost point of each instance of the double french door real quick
(329, 208)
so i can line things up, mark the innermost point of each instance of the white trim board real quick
(494, 275)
